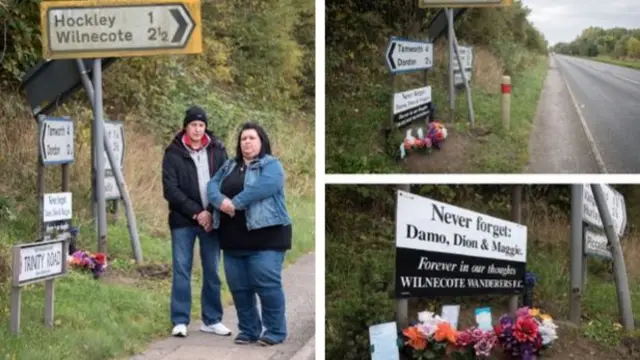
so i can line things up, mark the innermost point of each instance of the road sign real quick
(466, 58)
(615, 204)
(38, 261)
(463, 3)
(56, 141)
(404, 55)
(411, 105)
(115, 135)
(57, 206)
(596, 244)
(116, 28)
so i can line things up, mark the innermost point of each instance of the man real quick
(192, 158)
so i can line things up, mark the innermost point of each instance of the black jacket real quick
(180, 179)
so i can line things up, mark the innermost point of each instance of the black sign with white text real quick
(422, 273)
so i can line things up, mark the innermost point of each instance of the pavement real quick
(607, 100)
(299, 286)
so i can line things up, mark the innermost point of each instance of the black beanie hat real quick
(195, 113)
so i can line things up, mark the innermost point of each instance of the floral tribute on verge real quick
(436, 134)
(523, 336)
(96, 263)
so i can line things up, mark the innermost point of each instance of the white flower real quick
(548, 331)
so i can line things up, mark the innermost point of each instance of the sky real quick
(564, 20)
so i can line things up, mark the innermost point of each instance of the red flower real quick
(100, 258)
(525, 330)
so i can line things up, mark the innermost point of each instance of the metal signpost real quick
(454, 49)
(598, 220)
(114, 131)
(404, 56)
(110, 29)
(46, 258)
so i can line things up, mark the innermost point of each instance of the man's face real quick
(195, 130)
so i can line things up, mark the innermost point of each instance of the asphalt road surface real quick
(608, 98)
(558, 142)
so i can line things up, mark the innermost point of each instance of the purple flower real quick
(506, 320)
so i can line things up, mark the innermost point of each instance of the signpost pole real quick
(16, 296)
(40, 183)
(402, 305)
(467, 87)
(576, 253)
(516, 216)
(452, 90)
(620, 272)
(99, 155)
(128, 207)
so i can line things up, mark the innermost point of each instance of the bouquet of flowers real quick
(431, 338)
(436, 133)
(527, 334)
(96, 263)
(475, 343)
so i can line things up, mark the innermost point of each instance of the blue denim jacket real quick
(262, 198)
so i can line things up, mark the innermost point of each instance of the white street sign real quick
(57, 206)
(615, 204)
(466, 58)
(112, 27)
(115, 133)
(425, 224)
(56, 141)
(408, 55)
(406, 100)
(40, 260)
(596, 244)
(111, 191)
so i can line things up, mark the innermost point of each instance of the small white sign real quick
(425, 224)
(57, 206)
(41, 260)
(615, 203)
(407, 100)
(111, 191)
(596, 244)
(408, 55)
(115, 134)
(466, 58)
(56, 141)
(384, 341)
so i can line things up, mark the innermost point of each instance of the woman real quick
(255, 232)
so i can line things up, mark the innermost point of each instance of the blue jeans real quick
(257, 272)
(182, 244)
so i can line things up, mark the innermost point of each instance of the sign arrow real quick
(182, 25)
(404, 55)
(111, 28)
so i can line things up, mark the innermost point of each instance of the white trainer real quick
(218, 329)
(179, 330)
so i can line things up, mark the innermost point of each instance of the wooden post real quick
(505, 103)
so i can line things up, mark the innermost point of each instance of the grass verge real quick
(358, 114)
(632, 64)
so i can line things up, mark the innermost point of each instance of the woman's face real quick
(250, 144)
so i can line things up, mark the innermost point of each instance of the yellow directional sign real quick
(119, 28)
(463, 3)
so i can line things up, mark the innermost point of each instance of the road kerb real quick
(307, 351)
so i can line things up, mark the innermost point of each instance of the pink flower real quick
(477, 334)
(464, 339)
(483, 348)
(523, 312)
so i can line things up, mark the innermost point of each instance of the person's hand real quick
(227, 207)
(204, 219)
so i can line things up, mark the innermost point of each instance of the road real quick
(607, 98)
